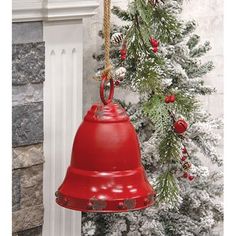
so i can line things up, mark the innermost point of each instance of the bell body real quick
(105, 173)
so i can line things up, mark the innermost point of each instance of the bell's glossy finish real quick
(105, 173)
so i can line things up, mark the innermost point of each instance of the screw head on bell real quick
(105, 173)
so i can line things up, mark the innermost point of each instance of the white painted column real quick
(63, 114)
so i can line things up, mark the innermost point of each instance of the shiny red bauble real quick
(180, 126)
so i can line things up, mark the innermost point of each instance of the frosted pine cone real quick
(120, 73)
(117, 38)
(154, 2)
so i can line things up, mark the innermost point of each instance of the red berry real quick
(155, 43)
(151, 39)
(180, 126)
(123, 57)
(123, 52)
(117, 83)
(185, 175)
(183, 158)
(184, 150)
(155, 49)
(167, 99)
(172, 98)
(190, 177)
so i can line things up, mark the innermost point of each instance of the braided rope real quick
(107, 30)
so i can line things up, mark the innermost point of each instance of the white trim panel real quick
(62, 116)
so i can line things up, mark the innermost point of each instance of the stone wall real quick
(27, 128)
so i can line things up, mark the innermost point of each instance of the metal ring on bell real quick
(102, 88)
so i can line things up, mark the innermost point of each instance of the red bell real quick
(105, 173)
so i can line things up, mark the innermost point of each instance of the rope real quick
(106, 31)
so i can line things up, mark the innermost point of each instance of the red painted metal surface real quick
(105, 173)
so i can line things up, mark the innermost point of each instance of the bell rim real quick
(68, 203)
(107, 211)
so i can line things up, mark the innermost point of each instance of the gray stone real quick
(27, 156)
(31, 186)
(37, 231)
(27, 94)
(27, 32)
(27, 218)
(28, 63)
(27, 124)
(16, 190)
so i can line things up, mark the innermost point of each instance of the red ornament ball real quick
(180, 126)
(172, 98)
(183, 158)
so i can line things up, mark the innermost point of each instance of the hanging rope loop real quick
(106, 73)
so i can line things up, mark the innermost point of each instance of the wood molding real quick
(52, 11)
(63, 96)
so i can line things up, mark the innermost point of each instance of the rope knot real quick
(107, 71)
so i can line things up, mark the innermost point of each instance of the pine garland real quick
(183, 207)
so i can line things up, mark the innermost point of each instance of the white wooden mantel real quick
(50, 10)
(63, 36)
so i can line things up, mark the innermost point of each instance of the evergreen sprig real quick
(179, 48)
(156, 110)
